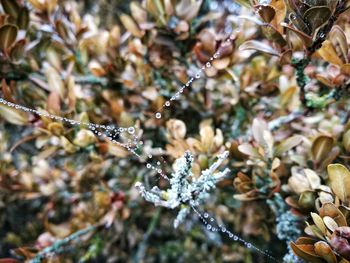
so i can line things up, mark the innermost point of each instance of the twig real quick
(61, 243)
(321, 36)
(80, 79)
(276, 123)
(143, 244)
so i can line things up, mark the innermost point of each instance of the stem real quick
(143, 244)
(60, 244)
(80, 79)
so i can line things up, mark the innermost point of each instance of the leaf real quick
(321, 147)
(55, 81)
(272, 34)
(249, 150)
(346, 140)
(280, 8)
(299, 23)
(325, 251)
(319, 223)
(8, 35)
(13, 116)
(306, 252)
(328, 53)
(317, 16)
(307, 40)
(339, 42)
(288, 144)
(6, 91)
(10, 7)
(330, 223)
(259, 46)
(313, 178)
(131, 26)
(339, 177)
(329, 209)
(23, 18)
(258, 128)
(17, 51)
(266, 12)
(345, 69)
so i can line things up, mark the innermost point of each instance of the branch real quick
(79, 79)
(321, 36)
(60, 244)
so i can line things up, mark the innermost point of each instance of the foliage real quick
(98, 97)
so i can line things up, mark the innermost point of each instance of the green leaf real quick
(10, 7)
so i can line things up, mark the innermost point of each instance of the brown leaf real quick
(131, 26)
(328, 53)
(317, 16)
(266, 12)
(325, 251)
(321, 147)
(339, 42)
(306, 252)
(8, 35)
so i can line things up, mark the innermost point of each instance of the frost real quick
(185, 190)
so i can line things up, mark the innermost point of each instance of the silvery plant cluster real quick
(186, 190)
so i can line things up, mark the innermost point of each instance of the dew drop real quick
(208, 227)
(148, 165)
(249, 245)
(206, 215)
(167, 103)
(158, 115)
(158, 163)
(235, 238)
(160, 171)
(131, 130)
(198, 76)
(208, 65)
(223, 229)
(150, 156)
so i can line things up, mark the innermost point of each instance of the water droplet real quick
(249, 245)
(198, 76)
(148, 165)
(160, 171)
(167, 103)
(158, 115)
(230, 235)
(158, 163)
(223, 229)
(212, 219)
(131, 130)
(235, 238)
(208, 227)
(206, 215)
(208, 65)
